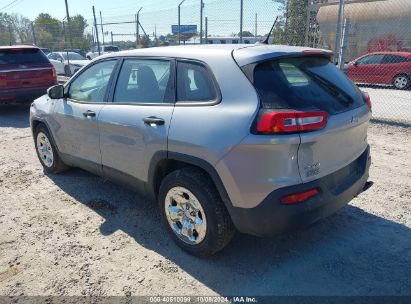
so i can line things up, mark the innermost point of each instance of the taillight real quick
(367, 100)
(54, 73)
(299, 197)
(291, 121)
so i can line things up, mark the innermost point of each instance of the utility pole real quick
(206, 30)
(96, 30)
(11, 34)
(112, 41)
(241, 21)
(67, 52)
(92, 34)
(338, 29)
(102, 29)
(138, 26)
(155, 32)
(33, 33)
(179, 21)
(341, 53)
(201, 21)
(256, 25)
(69, 24)
(135, 18)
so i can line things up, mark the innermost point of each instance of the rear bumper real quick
(335, 191)
(19, 95)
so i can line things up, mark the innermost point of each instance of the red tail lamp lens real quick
(367, 100)
(291, 121)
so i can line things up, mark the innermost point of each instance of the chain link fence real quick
(371, 39)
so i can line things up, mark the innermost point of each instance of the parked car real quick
(78, 51)
(389, 68)
(262, 139)
(67, 63)
(46, 51)
(25, 73)
(105, 49)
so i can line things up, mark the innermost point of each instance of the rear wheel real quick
(401, 82)
(193, 212)
(46, 151)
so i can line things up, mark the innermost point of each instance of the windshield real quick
(73, 56)
(305, 83)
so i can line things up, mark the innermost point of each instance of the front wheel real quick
(46, 151)
(401, 82)
(193, 212)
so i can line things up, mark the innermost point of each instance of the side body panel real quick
(127, 143)
(76, 135)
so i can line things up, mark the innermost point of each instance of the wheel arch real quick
(408, 75)
(164, 162)
(35, 122)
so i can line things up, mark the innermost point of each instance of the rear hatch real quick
(24, 68)
(319, 103)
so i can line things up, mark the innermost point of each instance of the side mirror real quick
(355, 63)
(56, 92)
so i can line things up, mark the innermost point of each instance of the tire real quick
(46, 151)
(401, 82)
(67, 71)
(193, 185)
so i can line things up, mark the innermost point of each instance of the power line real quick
(11, 4)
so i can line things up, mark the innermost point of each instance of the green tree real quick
(278, 34)
(7, 34)
(21, 29)
(295, 21)
(48, 31)
(78, 27)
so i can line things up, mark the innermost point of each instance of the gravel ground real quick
(75, 234)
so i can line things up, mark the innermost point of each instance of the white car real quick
(67, 63)
(104, 49)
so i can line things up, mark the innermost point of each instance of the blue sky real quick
(223, 15)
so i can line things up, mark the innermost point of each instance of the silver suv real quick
(260, 139)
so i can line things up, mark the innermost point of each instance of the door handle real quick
(89, 113)
(153, 121)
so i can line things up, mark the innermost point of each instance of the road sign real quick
(184, 29)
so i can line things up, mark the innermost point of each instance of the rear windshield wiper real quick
(330, 87)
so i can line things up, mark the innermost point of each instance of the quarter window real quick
(91, 85)
(143, 81)
(194, 83)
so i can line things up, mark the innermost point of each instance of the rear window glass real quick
(305, 83)
(22, 56)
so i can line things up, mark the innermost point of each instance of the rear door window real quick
(22, 56)
(305, 83)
